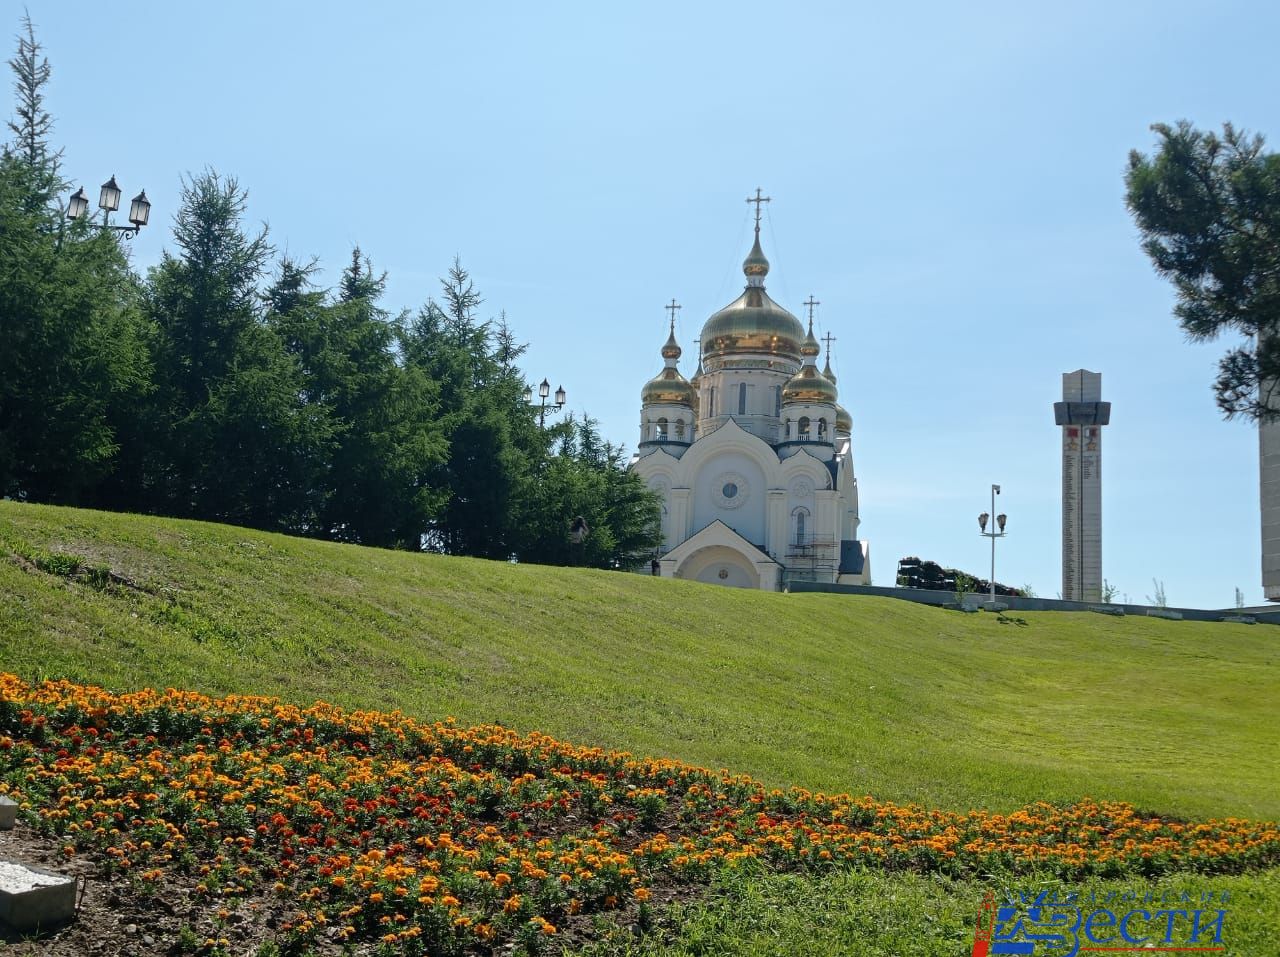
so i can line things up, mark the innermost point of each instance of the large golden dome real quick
(753, 322)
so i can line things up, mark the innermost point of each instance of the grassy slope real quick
(835, 693)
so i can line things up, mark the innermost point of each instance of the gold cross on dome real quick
(828, 339)
(759, 200)
(810, 303)
(672, 309)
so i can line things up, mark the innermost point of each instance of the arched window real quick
(660, 431)
(787, 430)
(801, 523)
(711, 402)
(777, 400)
(680, 429)
(742, 398)
(822, 430)
(803, 430)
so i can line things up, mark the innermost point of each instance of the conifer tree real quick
(73, 362)
(1208, 207)
(238, 442)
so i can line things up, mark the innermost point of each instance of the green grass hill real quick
(834, 693)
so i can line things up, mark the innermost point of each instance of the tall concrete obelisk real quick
(1269, 460)
(1081, 414)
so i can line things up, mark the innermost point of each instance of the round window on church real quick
(730, 490)
(724, 573)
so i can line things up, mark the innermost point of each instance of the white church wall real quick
(731, 487)
(800, 499)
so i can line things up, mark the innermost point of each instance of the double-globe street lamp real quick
(109, 202)
(544, 390)
(993, 535)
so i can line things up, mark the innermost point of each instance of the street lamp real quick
(544, 390)
(109, 202)
(993, 535)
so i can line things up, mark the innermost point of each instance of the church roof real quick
(669, 387)
(851, 558)
(753, 323)
(809, 385)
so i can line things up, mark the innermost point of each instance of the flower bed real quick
(378, 827)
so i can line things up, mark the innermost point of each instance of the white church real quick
(752, 456)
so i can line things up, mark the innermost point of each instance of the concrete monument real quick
(1269, 460)
(1081, 414)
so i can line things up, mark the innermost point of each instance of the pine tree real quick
(1208, 208)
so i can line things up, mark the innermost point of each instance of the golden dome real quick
(671, 348)
(810, 346)
(668, 387)
(844, 421)
(755, 265)
(809, 385)
(753, 323)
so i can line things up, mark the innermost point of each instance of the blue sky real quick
(947, 179)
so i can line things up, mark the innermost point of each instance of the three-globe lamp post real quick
(544, 391)
(109, 202)
(983, 519)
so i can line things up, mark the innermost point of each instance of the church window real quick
(822, 429)
(711, 404)
(802, 516)
(803, 430)
(730, 490)
(777, 400)
(742, 398)
(660, 432)
(680, 429)
(787, 432)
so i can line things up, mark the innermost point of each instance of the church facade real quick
(751, 458)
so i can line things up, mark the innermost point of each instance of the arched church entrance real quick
(719, 565)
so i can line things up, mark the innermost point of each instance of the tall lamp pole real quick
(993, 535)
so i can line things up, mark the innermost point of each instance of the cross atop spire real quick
(828, 339)
(672, 309)
(759, 201)
(809, 304)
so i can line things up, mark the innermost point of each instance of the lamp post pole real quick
(993, 534)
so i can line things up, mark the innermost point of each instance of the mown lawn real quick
(865, 913)
(864, 695)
